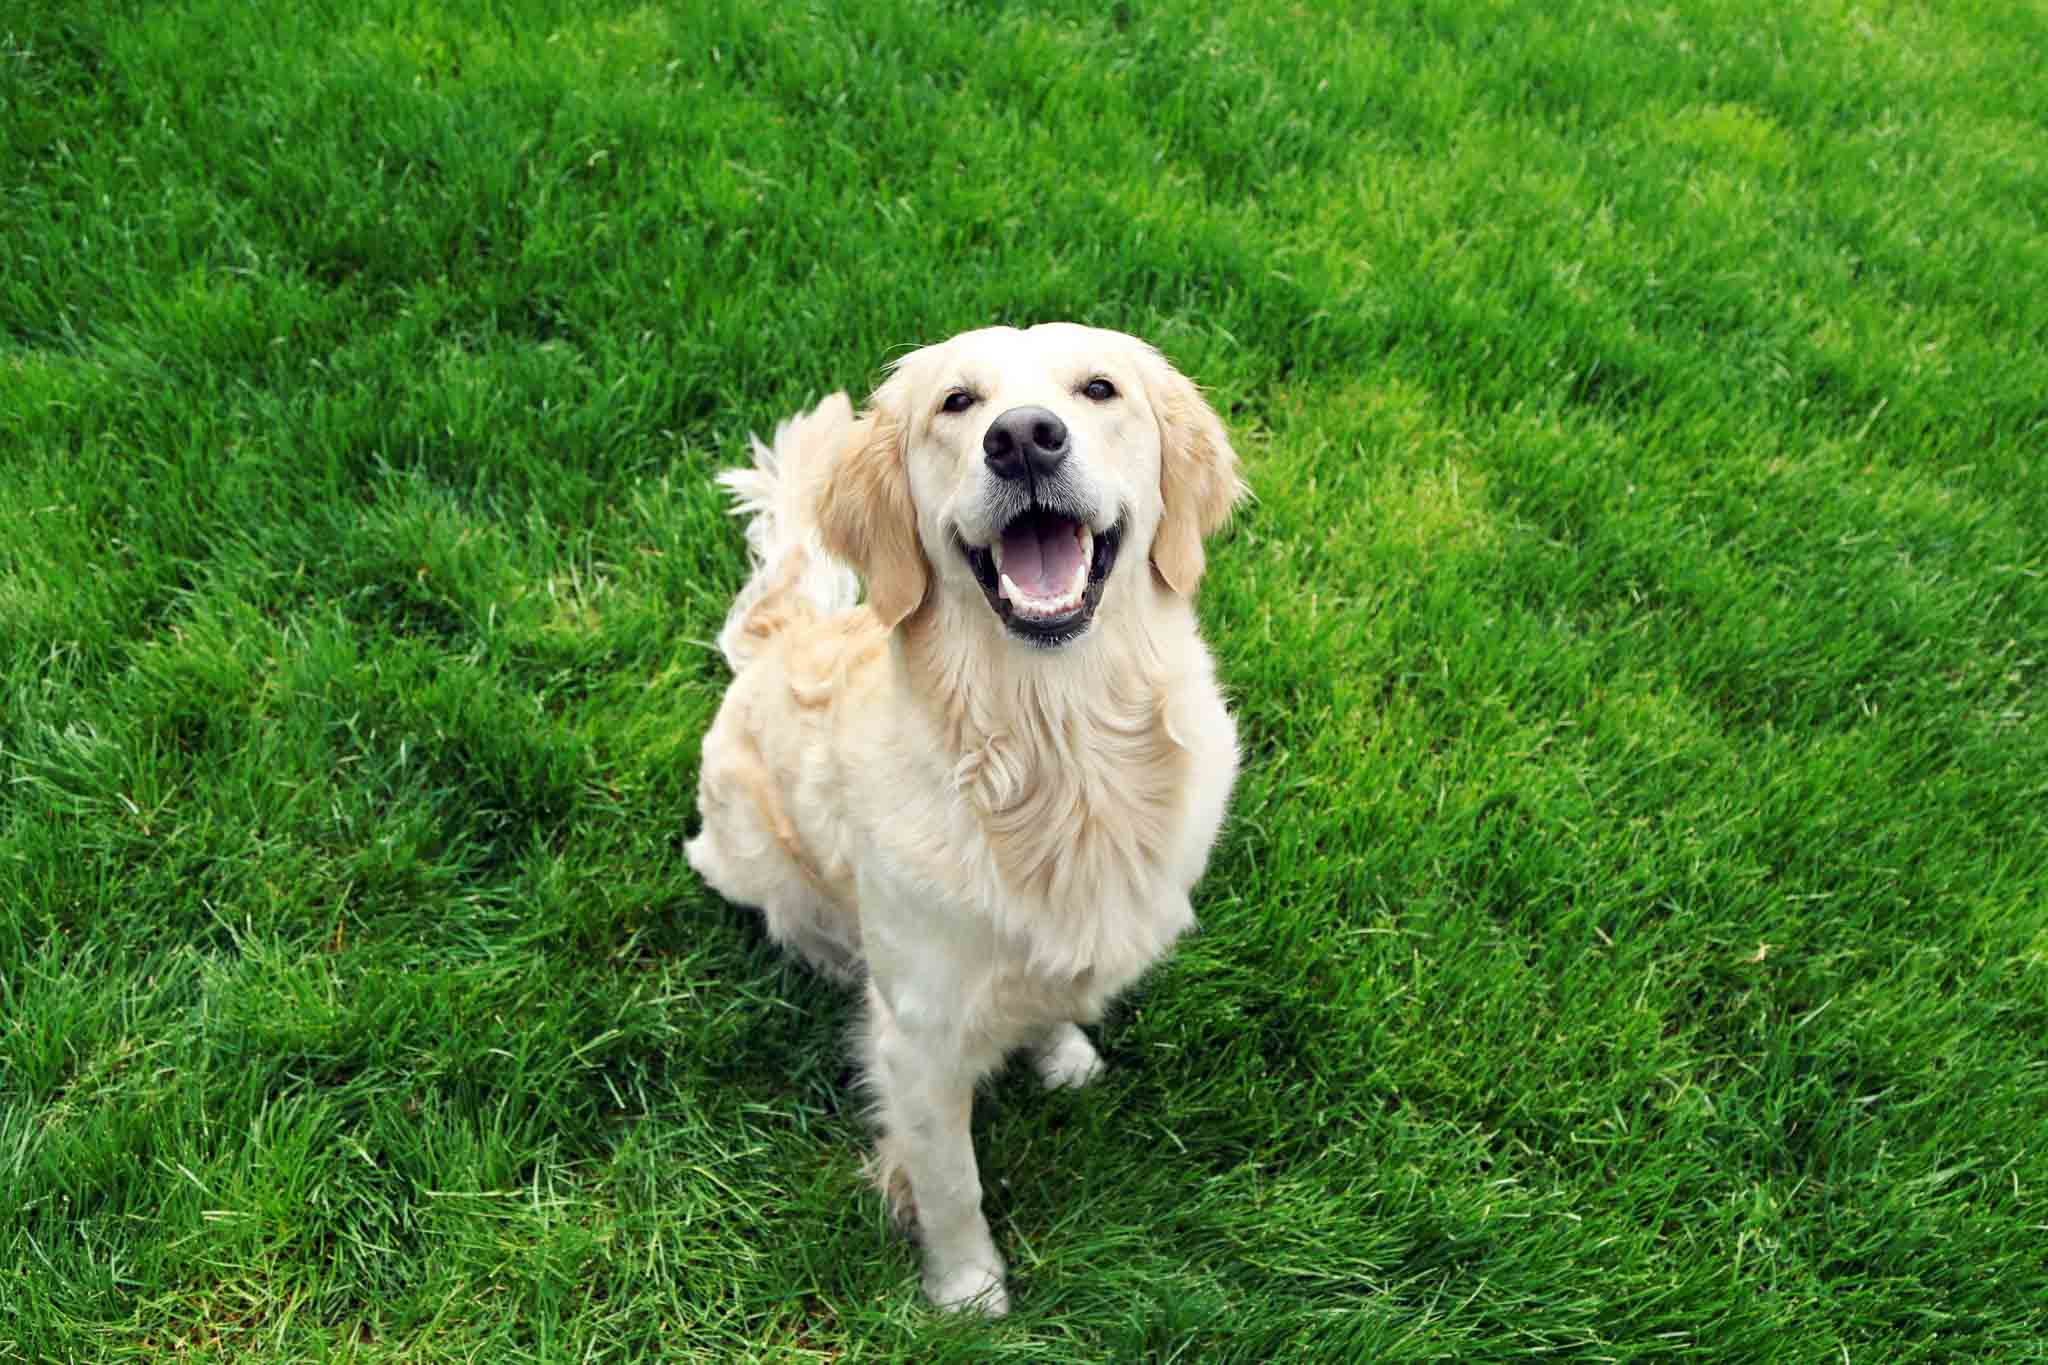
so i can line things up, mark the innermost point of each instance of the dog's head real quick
(1022, 468)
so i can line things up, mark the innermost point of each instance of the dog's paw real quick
(1068, 1062)
(970, 1289)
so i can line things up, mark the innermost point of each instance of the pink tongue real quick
(1040, 554)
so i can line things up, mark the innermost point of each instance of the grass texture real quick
(1630, 940)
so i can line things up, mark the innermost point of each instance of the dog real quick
(984, 793)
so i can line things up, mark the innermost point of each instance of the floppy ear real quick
(866, 518)
(1198, 479)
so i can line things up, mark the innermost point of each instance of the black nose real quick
(1024, 439)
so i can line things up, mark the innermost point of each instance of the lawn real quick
(1630, 938)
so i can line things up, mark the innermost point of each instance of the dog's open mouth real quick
(1044, 574)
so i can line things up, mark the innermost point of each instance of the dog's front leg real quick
(925, 1084)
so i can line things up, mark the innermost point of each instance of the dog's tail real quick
(792, 575)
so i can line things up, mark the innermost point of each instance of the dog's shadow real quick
(786, 1033)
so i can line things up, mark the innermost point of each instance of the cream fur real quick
(992, 836)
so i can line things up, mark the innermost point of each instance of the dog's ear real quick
(1198, 479)
(866, 518)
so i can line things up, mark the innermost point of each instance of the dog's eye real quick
(959, 400)
(1101, 390)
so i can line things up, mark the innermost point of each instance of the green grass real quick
(1631, 937)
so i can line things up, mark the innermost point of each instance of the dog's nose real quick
(1024, 439)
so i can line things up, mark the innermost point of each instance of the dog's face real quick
(1022, 468)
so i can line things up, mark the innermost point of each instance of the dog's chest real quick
(1083, 840)
(1087, 805)
(1072, 820)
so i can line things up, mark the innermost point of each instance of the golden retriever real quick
(985, 792)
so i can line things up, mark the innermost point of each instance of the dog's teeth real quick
(1049, 606)
(995, 553)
